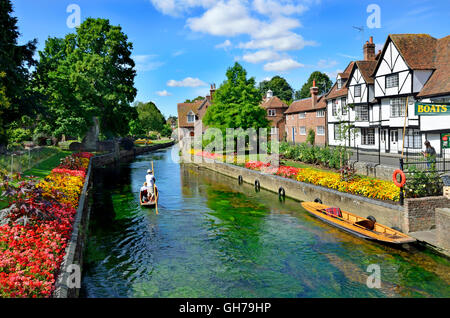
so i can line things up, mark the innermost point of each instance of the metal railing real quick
(20, 161)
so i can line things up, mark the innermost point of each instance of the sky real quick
(181, 47)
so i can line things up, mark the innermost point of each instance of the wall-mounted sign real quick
(445, 140)
(432, 109)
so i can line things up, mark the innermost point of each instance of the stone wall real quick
(443, 228)
(386, 213)
(420, 213)
(373, 170)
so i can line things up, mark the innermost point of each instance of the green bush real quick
(420, 183)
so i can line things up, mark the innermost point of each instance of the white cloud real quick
(260, 56)
(178, 53)
(326, 63)
(282, 65)
(146, 62)
(223, 45)
(187, 82)
(225, 19)
(177, 7)
(163, 93)
(270, 7)
(333, 75)
(287, 43)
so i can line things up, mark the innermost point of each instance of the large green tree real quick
(194, 100)
(279, 86)
(88, 73)
(236, 103)
(15, 97)
(323, 82)
(149, 118)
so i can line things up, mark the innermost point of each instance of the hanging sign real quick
(445, 140)
(432, 109)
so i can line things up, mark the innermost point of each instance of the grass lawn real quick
(43, 169)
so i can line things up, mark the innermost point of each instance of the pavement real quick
(430, 239)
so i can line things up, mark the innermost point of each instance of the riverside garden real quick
(212, 237)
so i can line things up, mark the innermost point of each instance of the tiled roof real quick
(334, 91)
(416, 49)
(273, 102)
(184, 109)
(366, 68)
(304, 105)
(439, 83)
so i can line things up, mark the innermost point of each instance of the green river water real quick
(215, 238)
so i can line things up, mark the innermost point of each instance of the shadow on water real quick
(216, 238)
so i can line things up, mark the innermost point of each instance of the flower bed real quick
(33, 242)
(368, 187)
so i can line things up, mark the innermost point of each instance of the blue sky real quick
(182, 46)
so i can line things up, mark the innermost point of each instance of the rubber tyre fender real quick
(371, 218)
(317, 200)
(240, 179)
(257, 185)
(281, 192)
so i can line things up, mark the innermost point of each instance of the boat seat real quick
(334, 212)
(368, 224)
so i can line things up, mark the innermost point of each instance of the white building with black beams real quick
(410, 68)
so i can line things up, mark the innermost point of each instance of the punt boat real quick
(149, 203)
(366, 228)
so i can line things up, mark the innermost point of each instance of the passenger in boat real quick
(144, 192)
(429, 154)
(150, 180)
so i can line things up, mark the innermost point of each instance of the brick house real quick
(275, 109)
(190, 115)
(305, 114)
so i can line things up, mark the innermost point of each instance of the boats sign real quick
(432, 109)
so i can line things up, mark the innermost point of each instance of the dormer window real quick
(391, 80)
(339, 83)
(191, 117)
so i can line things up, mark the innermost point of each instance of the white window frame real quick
(337, 132)
(344, 110)
(323, 131)
(368, 136)
(397, 105)
(413, 139)
(320, 113)
(334, 107)
(392, 80)
(363, 111)
(302, 130)
(359, 90)
(271, 112)
(301, 115)
(190, 114)
(273, 130)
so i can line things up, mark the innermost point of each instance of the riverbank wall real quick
(68, 282)
(417, 214)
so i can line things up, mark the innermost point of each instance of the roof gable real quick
(273, 102)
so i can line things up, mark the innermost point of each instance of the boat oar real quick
(154, 191)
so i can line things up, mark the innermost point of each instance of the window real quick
(358, 90)
(320, 130)
(368, 136)
(273, 130)
(362, 112)
(295, 130)
(337, 132)
(413, 139)
(344, 106)
(320, 113)
(301, 115)
(333, 107)
(190, 117)
(302, 130)
(398, 107)
(339, 83)
(391, 80)
(394, 135)
(272, 112)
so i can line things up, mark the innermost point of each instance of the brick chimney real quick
(212, 91)
(369, 50)
(314, 92)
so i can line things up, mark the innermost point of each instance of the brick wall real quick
(278, 120)
(311, 121)
(420, 213)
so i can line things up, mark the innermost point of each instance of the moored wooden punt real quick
(354, 224)
(149, 203)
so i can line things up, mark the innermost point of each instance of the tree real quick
(323, 82)
(279, 86)
(15, 97)
(194, 100)
(149, 117)
(88, 73)
(236, 103)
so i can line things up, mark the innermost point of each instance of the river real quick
(216, 238)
